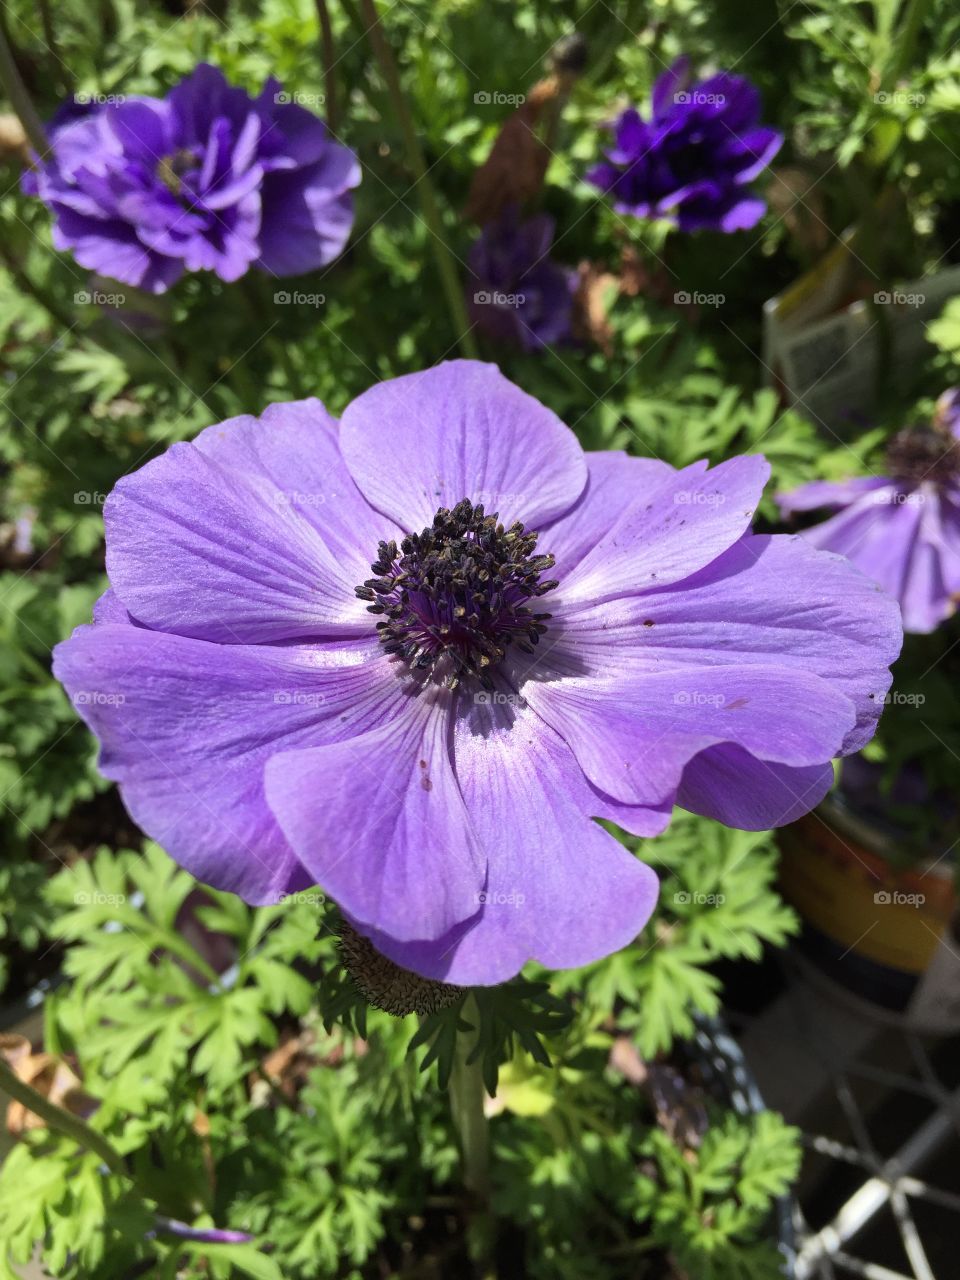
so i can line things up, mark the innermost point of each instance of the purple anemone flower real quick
(691, 163)
(516, 293)
(205, 179)
(323, 661)
(901, 529)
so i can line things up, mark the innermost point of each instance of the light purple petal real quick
(615, 483)
(733, 787)
(560, 889)
(187, 728)
(769, 600)
(202, 548)
(633, 735)
(380, 823)
(824, 494)
(308, 213)
(295, 445)
(688, 522)
(460, 430)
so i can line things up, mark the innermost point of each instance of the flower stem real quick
(62, 1121)
(906, 39)
(466, 1104)
(328, 51)
(417, 162)
(20, 99)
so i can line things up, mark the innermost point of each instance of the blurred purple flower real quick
(692, 161)
(901, 529)
(516, 293)
(204, 1235)
(429, 741)
(205, 179)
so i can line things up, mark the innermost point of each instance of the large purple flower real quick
(517, 294)
(691, 163)
(429, 739)
(901, 529)
(206, 179)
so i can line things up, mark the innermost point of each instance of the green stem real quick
(62, 1121)
(906, 40)
(328, 52)
(417, 161)
(50, 40)
(467, 1093)
(20, 99)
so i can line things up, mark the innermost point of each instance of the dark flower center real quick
(455, 596)
(173, 168)
(923, 453)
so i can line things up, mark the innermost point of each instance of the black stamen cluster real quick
(454, 597)
(923, 453)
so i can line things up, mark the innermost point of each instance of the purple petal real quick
(730, 785)
(667, 86)
(559, 888)
(379, 822)
(633, 735)
(769, 600)
(831, 493)
(296, 447)
(198, 546)
(308, 213)
(460, 430)
(615, 482)
(688, 522)
(187, 728)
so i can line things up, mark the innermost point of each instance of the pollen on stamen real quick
(454, 598)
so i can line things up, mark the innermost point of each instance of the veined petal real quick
(559, 889)
(729, 784)
(615, 483)
(202, 548)
(633, 737)
(770, 601)
(186, 729)
(381, 825)
(686, 523)
(460, 430)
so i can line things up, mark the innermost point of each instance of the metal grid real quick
(879, 1108)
